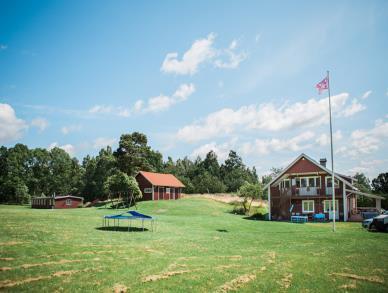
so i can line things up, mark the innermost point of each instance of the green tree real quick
(249, 192)
(134, 155)
(207, 183)
(122, 185)
(380, 185)
(363, 184)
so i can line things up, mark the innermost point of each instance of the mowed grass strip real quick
(199, 246)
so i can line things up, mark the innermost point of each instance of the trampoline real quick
(129, 215)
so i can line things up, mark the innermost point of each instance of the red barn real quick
(158, 186)
(57, 202)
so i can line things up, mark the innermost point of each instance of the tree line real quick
(26, 173)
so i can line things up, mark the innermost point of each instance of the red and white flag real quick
(323, 85)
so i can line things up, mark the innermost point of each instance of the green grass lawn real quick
(198, 246)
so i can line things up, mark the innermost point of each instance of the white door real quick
(328, 209)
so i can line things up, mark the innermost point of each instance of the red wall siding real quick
(303, 166)
(143, 183)
(61, 203)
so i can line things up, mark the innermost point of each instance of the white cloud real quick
(123, 112)
(201, 50)
(366, 141)
(324, 139)
(11, 127)
(103, 142)
(100, 109)
(267, 117)
(3, 47)
(233, 59)
(159, 103)
(222, 150)
(352, 109)
(366, 95)
(266, 146)
(184, 91)
(70, 149)
(257, 38)
(70, 128)
(40, 123)
(369, 167)
(163, 102)
(138, 106)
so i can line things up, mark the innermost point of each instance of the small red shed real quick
(158, 186)
(57, 202)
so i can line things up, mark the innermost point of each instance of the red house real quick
(305, 188)
(158, 186)
(57, 202)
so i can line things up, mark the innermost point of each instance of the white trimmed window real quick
(68, 202)
(147, 190)
(328, 182)
(307, 206)
(168, 190)
(327, 205)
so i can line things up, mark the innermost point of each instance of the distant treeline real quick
(26, 173)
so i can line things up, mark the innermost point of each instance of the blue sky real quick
(198, 75)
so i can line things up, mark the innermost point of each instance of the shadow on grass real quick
(122, 229)
(222, 230)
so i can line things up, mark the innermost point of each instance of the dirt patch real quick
(165, 275)
(118, 288)
(270, 256)
(13, 283)
(285, 282)
(221, 267)
(5, 269)
(348, 286)
(11, 243)
(373, 279)
(237, 283)
(7, 258)
(49, 263)
(231, 257)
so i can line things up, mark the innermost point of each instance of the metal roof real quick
(160, 179)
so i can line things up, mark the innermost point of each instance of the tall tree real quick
(380, 185)
(133, 154)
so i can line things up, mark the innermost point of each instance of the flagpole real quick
(332, 157)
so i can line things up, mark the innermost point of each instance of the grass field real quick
(198, 246)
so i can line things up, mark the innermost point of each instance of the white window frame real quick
(68, 202)
(307, 178)
(336, 182)
(168, 190)
(308, 211)
(148, 190)
(329, 203)
(283, 183)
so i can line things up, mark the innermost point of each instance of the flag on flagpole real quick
(323, 85)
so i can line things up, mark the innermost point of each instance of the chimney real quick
(323, 162)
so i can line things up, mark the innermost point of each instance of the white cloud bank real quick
(267, 116)
(103, 142)
(155, 104)
(366, 141)
(70, 128)
(40, 123)
(70, 149)
(162, 102)
(202, 51)
(11, 127)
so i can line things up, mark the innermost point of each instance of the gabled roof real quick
(338, 176)
(160, 179)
